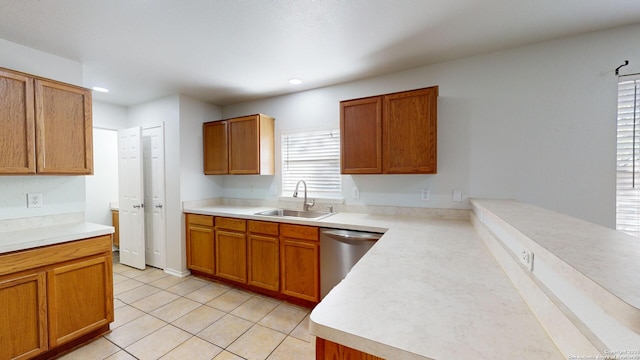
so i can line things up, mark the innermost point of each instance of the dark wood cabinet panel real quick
(390, 134)
(361, 136)
(216, 153)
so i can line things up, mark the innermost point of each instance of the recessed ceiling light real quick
(100, 89)
(295, 81)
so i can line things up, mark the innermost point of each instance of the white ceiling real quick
(228, 51)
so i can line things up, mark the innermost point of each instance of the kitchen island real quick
(428, 289)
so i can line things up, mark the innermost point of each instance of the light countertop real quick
(50, 235)
(428, 289)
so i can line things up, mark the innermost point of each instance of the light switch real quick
(456, 196)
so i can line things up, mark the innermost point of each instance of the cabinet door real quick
(361, 136)
(410, 135)
(115, 221)
(299, 267)
(264, 258)
(80, 298)
(244, 145)
(64, 140)
(231, 255)
(329, 350)
(216, 156)
(23, 311)
(200, 248)
(17, 147)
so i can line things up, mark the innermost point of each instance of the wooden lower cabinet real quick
(115, 222)
(55, 297)
(231, 255)
(328, 350)
(23, 329)
(80, 296)
(200, 243)
(264, 255)
(231, 249)
(279, 260)
(300, 262)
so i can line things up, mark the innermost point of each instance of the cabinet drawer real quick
(231, 224)
(299, 232)
(206, 220)
(263, 227)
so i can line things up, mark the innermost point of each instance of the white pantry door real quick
(130, 197)
(155, 233)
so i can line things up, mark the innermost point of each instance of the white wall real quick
(184, 178)
(102, 187)
(61, 194)
(535, 123)
(109, 116)
(193, 183)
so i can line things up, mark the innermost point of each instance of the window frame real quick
(332, 179)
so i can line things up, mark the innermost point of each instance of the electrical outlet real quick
(356, 193)
(426, 194)
(456, 196)
(526, 258)
(34, 200)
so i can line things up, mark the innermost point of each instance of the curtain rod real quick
(626, 62)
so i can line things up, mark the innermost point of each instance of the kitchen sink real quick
(313, 215)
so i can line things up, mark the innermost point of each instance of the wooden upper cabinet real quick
(410, 134)
(216, 153)
(45, 126)
(390, 134)
(252, 145)
(240, 146)
(17, 127)
(64, 143)
(361, 136)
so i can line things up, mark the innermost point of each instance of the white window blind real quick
(315, 158)
(628, 156)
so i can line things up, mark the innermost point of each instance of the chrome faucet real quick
(306, 205)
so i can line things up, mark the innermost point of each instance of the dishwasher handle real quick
(351, 237)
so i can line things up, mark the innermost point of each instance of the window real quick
(315, 158)
(628, 156)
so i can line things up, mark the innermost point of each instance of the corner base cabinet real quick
(55, 297)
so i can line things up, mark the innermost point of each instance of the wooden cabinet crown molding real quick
(393, 133)
(45, 126)
(240, 146)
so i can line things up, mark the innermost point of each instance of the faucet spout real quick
(306, 205)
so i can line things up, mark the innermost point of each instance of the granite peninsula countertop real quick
(428, 289)
(50, 235)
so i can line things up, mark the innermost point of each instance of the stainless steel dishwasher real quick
(339, 251)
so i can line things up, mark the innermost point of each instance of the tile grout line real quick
(180, 296)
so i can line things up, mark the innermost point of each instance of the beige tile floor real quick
(159, 316)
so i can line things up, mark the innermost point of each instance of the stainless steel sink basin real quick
(313, 215)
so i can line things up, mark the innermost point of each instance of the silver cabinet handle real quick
(139, 206)
(159, 206)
